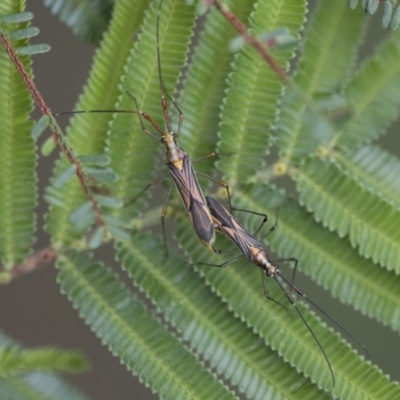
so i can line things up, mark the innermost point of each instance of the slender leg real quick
(266, 293)
(265, 218)
(223, 264)
(151, 184)
(290, 259)
(163, 214)
(220, 183)
(147, 117)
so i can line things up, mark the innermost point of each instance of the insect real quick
(180, 166)
(178, 163)
(257, 254)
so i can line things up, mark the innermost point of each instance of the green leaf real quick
(329, 52)
(101, 175)
(14, 361)
(373, 96)
(17, 156)
(250, 108)
(117, 222)
(14, 18)
(35, 385)
(38, 386)
(119, 233)
(88, 19)
(99, 160)
(83, 216)
(24, 33)
(394, 23)
(64, 177)
(204, 321)
(134, 334)
(48, 146)
(205, 84)
(33, 49)
(110, 202)
(40, 127)
(88, 132)
(96, 238)
(375, 170)
(387, 13)
(342, 205)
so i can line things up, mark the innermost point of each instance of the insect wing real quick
(186, 182)
(233, 229)
(193, 200)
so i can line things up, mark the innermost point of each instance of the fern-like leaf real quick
(203, 321)
(375, 170)
(250, 108)
(372, 96)
(17, 153)
(329, 51)
(35, 385)
(88, 19)
(88, 132)
(205, 84)
(342, 205)
(14, 361)
(133, 333)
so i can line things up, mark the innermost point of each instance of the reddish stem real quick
(34, 261)
(30, 84)
(258, 46)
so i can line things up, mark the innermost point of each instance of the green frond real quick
(88, 19)
(332, 262)
(17, 153)
(14, 361)
(342, 205)
(372, 96)
(35, 385)
(330, 46)
(250, 108)
(133, 153)
(38, 386)
(203, 320)
(375, 170)
(88, 132)
(134, 334)
(205, 84)
(240, 286)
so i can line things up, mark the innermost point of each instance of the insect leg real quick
(163, 214)
(224, 264)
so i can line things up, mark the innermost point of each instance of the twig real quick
(33, 262)
(241, 28)
(56, 130)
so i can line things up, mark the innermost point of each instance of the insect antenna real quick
(290, 298)
(299, 292)
(164, 92)
(95, 111)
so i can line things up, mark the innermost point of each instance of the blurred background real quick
(35, 313)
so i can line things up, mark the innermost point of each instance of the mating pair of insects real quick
(208, 215)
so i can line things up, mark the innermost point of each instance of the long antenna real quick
(304, 321)
(164, 92)
(299, 292)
